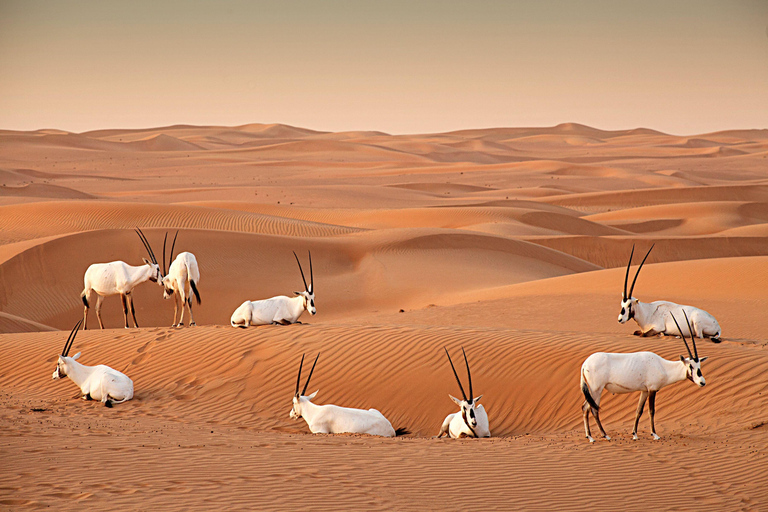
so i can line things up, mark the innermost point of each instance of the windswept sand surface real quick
(509, 242)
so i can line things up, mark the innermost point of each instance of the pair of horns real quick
(626, 277)
(146, 245)
(170, 260)
(695, 355)
(71, 339)
(298, 380)
(469, 375)
(311, 276)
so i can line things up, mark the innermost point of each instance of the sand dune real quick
(509, 242)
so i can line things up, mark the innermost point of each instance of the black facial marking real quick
(698, 372)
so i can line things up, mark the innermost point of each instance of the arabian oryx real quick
(332, 419)
(639, 371)
(471, 420)
(119, 278)
(96, 382)
(182, 272)
(653, 318)
(281, 309)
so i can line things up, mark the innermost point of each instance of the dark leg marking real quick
(125, 308)
(133, 313)
(652, 409)
(639, 412)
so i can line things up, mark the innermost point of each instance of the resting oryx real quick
(639, 371)
(119, 278)
(181, 272)
(96, 382)
(332, 419)
(653, 318)
(471, 420)
(278, 310)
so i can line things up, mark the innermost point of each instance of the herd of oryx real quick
(645, 372)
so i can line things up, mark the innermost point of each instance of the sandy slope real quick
(509, 242)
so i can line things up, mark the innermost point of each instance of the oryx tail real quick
(587, 392)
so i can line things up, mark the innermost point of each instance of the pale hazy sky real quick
(681, 66)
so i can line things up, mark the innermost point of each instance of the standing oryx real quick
(278, 310)
(471, 420)
(332, 419)
(96, 382)
(182, 271)
(639, 371)
(653, 318)
(119, 278)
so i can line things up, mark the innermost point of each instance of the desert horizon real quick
(511, 243)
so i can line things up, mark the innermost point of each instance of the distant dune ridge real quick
(510, 242)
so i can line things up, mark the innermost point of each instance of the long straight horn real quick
(469, 375)
(632, 289)
(165, 239)
(300, 270)
(310, 375)
(693, 337)
(173, 246)
(311, 275)
(71, 339)
(147, 246)
(626, 277)
(681, 335)
(456, 375)
(298, 379)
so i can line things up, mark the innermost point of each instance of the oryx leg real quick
(596, 414)
(99, 299)
(176, 309)
(133, 312)
(585, 408)
(639, 412)
(183, 298)
(86, 301)
(124, 300)
(647, 334)
(652, 410)
(191, 317)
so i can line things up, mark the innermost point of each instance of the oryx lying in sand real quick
(182, 272)
(654, 317)
(639, 371)
(471, 420)
(278, 310)
(96, 382)
(119, 278)
(332, 419)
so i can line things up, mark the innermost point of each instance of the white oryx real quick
(639, 371)
(119, 278)
(471, 420)
(182, 272)
(99, 382)
(332, 419)
(278, 310)
(653, 318)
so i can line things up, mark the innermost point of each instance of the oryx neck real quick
(464, 417)
(676, 371)
(77, 372)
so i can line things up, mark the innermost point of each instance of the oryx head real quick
(62, 365)
(156, 276)
(298, 399)
(628, 302)
(167, 287)
(309, 291)
(468, 404)
(692, 362)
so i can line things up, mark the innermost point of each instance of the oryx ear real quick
(76, 356)
(703, 359)
(682, 358)
(313, 395)
(456, 400)
(297, 293)
(145, 260)
(477, 400)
